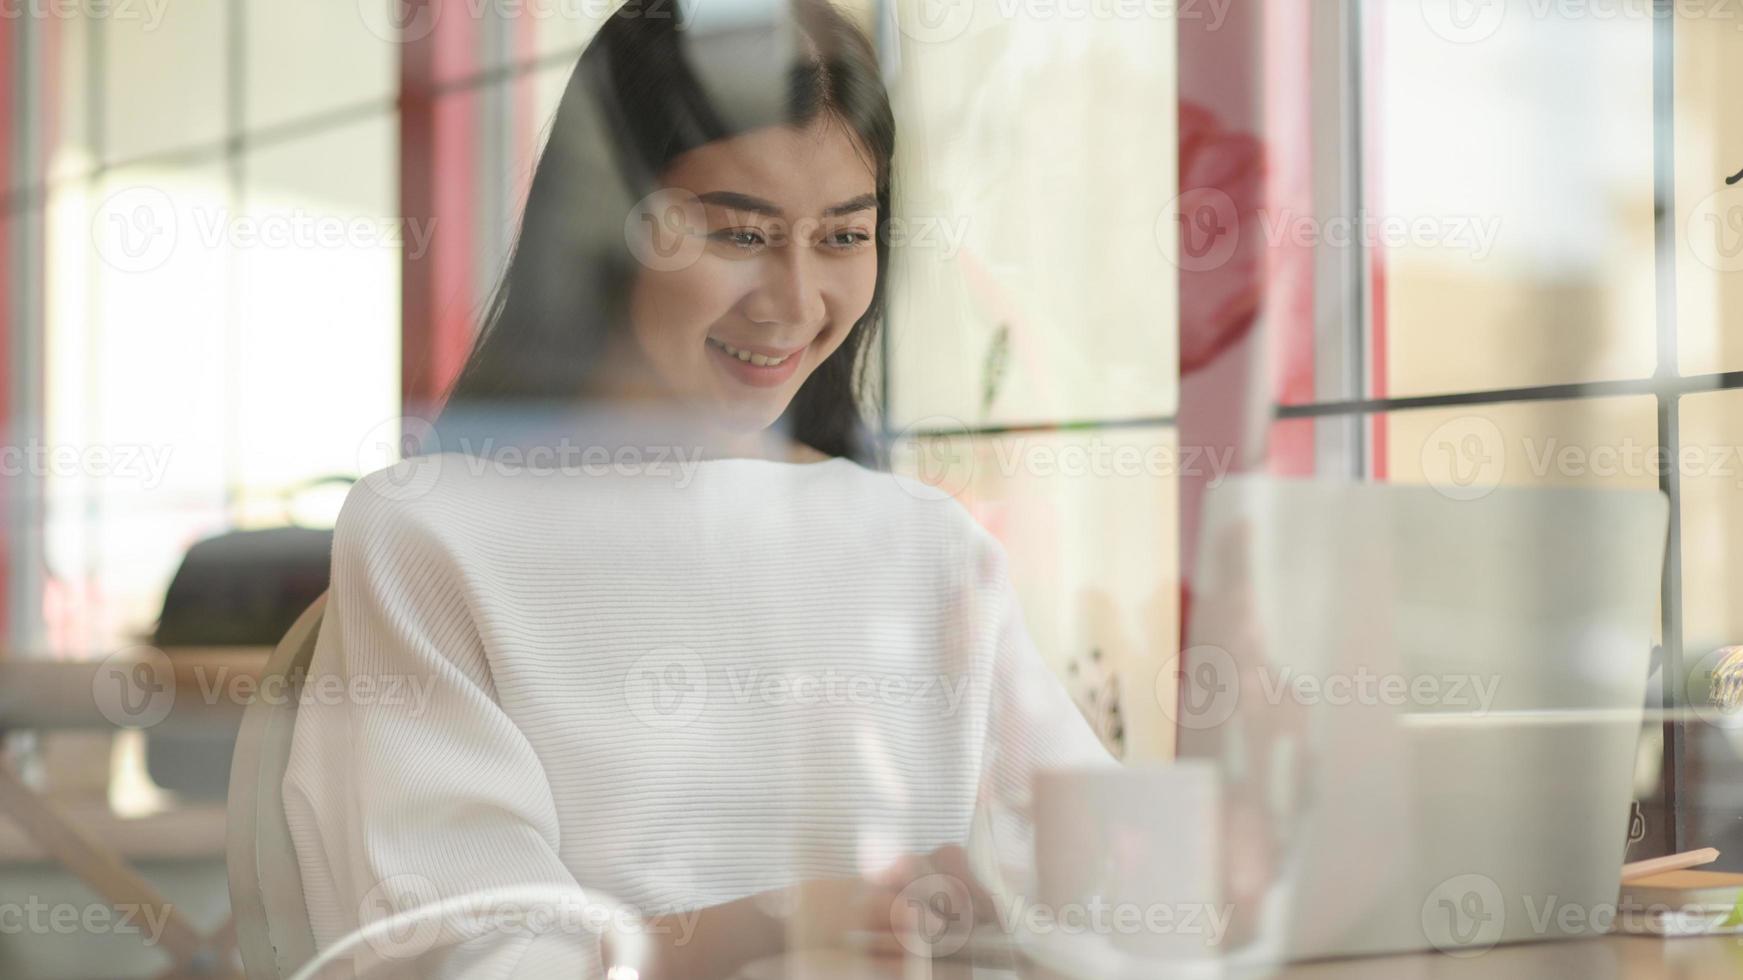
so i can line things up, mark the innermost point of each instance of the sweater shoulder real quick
(925, 509)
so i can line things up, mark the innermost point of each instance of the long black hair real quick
(648, 88)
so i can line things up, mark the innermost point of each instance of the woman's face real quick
(771, 263)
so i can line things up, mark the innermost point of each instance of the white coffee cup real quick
(1130, 858)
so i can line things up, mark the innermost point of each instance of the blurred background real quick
(1147, 244)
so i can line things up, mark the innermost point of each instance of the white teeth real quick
(758, 359)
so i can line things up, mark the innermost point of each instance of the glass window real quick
(318, 257)
(1509, 196)
(1089, 521)
(164, 80)
(1037, 173)
(1712, 562)
(137, 382)
(1709, 150)
(1609, 442)
(313, 57)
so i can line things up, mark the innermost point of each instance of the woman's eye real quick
(741, 237)
(846, 240)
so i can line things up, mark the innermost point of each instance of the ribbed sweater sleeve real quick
(424, 790)
(1032, 725)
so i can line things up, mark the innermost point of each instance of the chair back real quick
(266, 885)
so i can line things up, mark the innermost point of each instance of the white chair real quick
(266, 886)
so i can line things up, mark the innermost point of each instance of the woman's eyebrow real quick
(745, 202)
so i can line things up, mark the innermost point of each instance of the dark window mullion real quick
(1669, 409)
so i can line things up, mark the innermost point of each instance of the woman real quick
(658, 634)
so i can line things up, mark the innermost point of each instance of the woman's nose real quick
(789, 294)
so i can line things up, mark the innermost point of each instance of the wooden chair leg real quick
(99, 867)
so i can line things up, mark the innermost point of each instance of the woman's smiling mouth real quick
(759, 368)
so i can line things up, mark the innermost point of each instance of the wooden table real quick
(1608, 958)
(208, 689)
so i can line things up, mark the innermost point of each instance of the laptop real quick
(1434, 704)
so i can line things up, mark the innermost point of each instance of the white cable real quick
(634, 951)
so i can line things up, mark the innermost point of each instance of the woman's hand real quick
(924, 904)
(921, 904)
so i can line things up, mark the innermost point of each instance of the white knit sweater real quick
(676, 686)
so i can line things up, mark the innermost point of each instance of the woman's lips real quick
(756, 375)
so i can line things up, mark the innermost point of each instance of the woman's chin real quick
(749, 416)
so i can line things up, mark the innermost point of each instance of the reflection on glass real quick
(1605, 442)
(1510, 197)
(1609, 442)
(64, 44)
(164, 81)
(311, 57)
(1709, 149)
(1089, 521)
(1712, 563)
(1032, 278)
(137, 379)
(324, 209)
